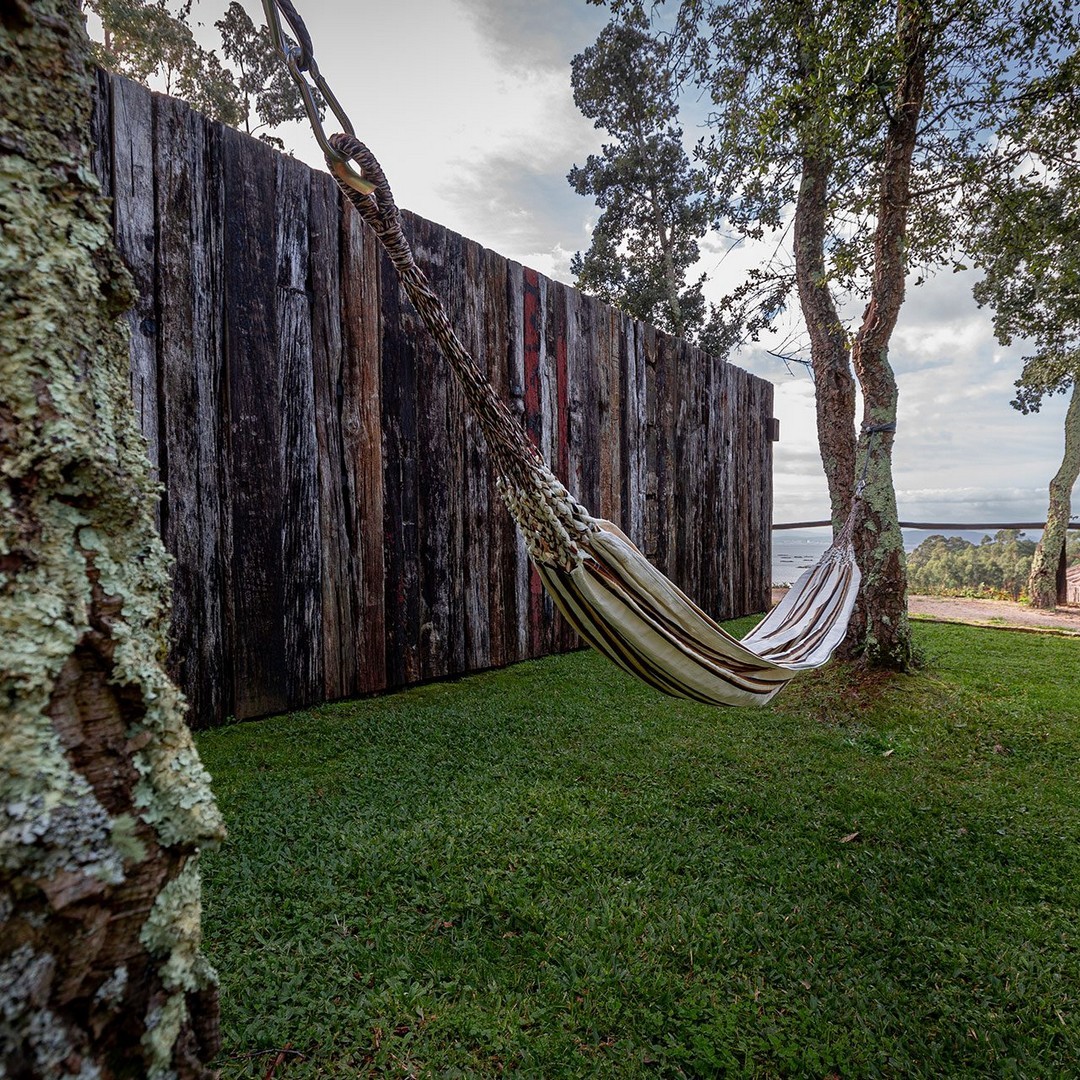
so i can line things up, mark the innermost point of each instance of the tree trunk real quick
(664, 239)
(1042, 584)
(834, 385)
(103, 801)
(879, 627)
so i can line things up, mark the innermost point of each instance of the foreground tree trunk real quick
(1042, 584)
(103, 802)
(879, 631)
(834, 385)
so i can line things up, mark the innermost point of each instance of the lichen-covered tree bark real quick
(103, 802)
(879, 624)
(1042, 583)
(830, 354)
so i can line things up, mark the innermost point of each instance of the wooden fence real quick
(326, 497)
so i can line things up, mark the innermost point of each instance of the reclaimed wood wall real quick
(326, 497)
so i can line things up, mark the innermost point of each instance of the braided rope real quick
(551, 520)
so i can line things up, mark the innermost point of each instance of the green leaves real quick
(270, 96)
(996, 567)
(654, 203)
(147, 41)
(823, 79)
(1024, 221)
(153, 42)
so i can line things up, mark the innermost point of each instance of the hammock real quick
(605, 588)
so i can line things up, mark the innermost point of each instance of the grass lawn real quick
(555, 872)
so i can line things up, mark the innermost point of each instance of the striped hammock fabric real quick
(626, 609)
(608, 591)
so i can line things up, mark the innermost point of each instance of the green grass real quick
(555, 872)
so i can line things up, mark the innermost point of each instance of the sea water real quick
(796, 550)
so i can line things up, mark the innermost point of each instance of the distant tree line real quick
(999, 566)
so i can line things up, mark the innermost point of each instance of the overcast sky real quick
(467, 103)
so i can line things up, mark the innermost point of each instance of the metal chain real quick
(300, 60)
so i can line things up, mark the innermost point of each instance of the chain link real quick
(300, 60)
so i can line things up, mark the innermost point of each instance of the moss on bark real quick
(103, 802)
(1042, 581)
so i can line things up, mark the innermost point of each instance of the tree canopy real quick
(147, 41)
(1023, 225)
(998, 566)
(151, 42)
(847, 131)
(818, 78)
(652, 200)
(1023, 230)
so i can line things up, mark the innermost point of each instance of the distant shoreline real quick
(796, 550)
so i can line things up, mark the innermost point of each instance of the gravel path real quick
(995, 613)
(1001, 613)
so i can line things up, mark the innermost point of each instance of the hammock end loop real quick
(347, 173)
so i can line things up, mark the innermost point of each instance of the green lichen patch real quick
(172, 930)
(125, 839)
(93, 744)
(163, 1026)
(173, 934)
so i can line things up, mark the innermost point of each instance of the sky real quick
(468, 105)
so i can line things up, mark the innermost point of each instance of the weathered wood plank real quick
(611, 347)
(569, 340)
(727, 486)
(365, 636)
(132, 177)
(478, 511)
(298, 449)
(433, 457)
(336, 500)
(521, 311)
(401, 344)
(502, 541)
(652, 443)
(558, 343)
(634, 419)
(691, 412)
(583, 333)
(101, 153)
(189, 274)
(759, 585)
(253, 363)
(455, 295)
(534, 288)
(680, 566)
(712, 490)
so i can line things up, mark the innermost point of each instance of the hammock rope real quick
(602, 584)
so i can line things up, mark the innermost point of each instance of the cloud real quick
(519, 205)
(482, 141)
(525, 35)
(961, 451)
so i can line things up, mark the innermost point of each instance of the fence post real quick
(1062, 578)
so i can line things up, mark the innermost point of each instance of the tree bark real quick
(1042, 583)
(103, 802)
(879, 630)
(834, 385)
